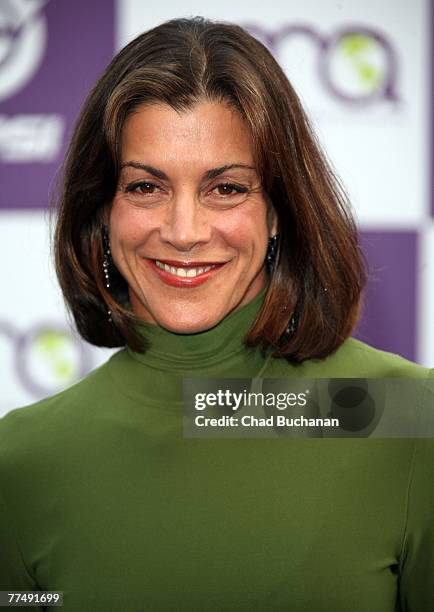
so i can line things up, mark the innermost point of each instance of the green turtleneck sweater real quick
(103, 498)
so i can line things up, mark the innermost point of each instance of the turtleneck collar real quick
(202, 352)
(154, 378)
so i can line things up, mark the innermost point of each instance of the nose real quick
(185, 224)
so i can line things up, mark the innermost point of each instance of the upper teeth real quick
(183, 272)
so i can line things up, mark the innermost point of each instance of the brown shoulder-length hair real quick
(319, 272)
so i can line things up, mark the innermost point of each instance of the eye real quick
(144, 187)
(228, 189)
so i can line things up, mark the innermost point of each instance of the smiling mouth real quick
(186, 270)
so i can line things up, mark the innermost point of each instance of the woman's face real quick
(188, 224)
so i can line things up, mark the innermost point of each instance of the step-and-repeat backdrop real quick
(364, 72)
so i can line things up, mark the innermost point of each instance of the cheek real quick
(246, 231)
(126, 226)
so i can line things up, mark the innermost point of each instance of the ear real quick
(105, 214)
(273, 222)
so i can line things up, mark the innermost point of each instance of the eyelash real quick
(135, 186)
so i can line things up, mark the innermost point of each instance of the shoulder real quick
(46, 426)
(354, 359)
(360, 359)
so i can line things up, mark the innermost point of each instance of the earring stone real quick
(106, 263)
(270, 259)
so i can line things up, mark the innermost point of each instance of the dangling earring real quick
(271, 254)
(106, 263)
(270, 259)
(291, 329)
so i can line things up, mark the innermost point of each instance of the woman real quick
(201, 229)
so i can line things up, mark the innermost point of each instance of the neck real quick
(156, 376)
(201, 352)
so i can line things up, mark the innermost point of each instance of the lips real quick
(185, 274)
(184, 271)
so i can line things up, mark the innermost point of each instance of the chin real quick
(188, 326)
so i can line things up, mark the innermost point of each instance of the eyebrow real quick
(209, 174)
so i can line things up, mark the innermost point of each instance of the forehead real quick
(207, 133)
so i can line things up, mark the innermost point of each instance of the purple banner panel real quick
(388, 319)
(432, 108)
(51, 53)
